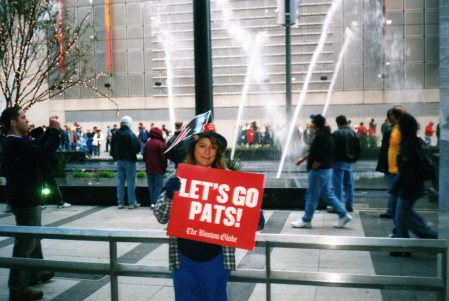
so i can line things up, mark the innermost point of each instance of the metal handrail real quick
(267, 276)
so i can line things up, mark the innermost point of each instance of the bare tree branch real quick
(30, 37)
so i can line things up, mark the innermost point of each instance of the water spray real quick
(316, 53)
(348, 37)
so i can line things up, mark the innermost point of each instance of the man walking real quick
(347, 151)
(124, 148)
(319, 165)
(24, 159)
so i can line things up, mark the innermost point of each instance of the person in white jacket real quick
(98, 137)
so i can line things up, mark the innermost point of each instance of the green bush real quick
(104, 174)
(81, 174)
(141, 174)
(234, 164)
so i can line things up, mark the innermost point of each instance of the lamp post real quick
(203, 57)
(287, 12)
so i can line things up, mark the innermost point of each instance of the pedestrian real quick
(108, 140)
(373, 126)
(110, 134)
(385, 126)
(250, 133)
(200, 270)
(90, 143)
(268, 135)
(98, 137)
(24, 158)
(124, 150)
(347, 152)
(361, 130)
(143, 136)
(155, 163)
(81, 141)
(409, 186)
(387, 162)
(320, 159)
(428, 133)
(166, 131)
(65, 143)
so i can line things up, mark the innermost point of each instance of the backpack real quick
(426, 168)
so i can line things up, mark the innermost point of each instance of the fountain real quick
(316, 53)
(348, 38)
(167, 41)
(252, 46)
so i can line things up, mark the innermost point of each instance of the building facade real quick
(391, 57)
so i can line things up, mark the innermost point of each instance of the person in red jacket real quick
(361, 130)
(250, 135)
(155, 163)
(429, 133)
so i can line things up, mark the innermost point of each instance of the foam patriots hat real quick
(209, 131)
(199, 127)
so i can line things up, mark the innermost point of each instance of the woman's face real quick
(205, 152)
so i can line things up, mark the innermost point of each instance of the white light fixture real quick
(388, 22)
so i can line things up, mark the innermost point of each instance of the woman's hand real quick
(173, 184)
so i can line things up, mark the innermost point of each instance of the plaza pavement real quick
(73, 287)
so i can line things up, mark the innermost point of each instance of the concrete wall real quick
(409, 46)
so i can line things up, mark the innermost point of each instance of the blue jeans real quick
(343, 180)
(320, 185)
(195, 281)
(155, 182)
(126, 171)
(392, 198)
(407, 219)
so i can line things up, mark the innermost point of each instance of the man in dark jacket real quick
(124, 148)
(24, 159)
(155, 163)
(320, 159)
(347, 151)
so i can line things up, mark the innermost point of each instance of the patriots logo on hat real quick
(195, 126)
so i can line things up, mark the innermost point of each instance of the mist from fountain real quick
(253, 59)
(386, 49)
(348, 38)
(167, 41)
(316, 53)
(252, 46)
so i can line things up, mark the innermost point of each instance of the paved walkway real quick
(75, 287)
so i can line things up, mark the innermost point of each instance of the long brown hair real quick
(219, 158)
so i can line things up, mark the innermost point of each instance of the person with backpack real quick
(409, 185)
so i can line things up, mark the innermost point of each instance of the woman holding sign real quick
(200, 270)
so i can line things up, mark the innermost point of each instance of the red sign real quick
(217, 206)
